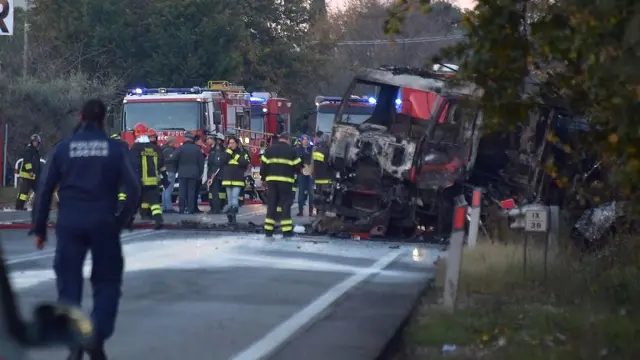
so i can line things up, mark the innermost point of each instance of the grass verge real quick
(587, 308)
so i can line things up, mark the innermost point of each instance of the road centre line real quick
(277, 337)
(38, 255)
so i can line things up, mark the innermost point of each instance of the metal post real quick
(5, 141)
(25, 46)
(474, 221)
(454, 258)
(554, 230)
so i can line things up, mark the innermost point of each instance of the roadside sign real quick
(6, 17)
(537, 220)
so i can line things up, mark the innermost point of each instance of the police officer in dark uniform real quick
(214, 175)
(149, 163)
(235, 162)
(29, 171)
(280, 163)
(88, 168)
(322, 173)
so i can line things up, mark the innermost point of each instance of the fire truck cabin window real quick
(170, 115)
(257, 117)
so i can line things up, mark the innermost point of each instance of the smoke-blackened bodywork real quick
(400, 170)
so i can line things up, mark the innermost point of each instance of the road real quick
(206, 295)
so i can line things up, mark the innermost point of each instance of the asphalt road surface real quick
(205, 295)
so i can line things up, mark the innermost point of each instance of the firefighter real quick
(234, 165)
(214, 174)
(29, 171)
(280, 163)
(321, 172)
(89, 169)
(122, 196)
(153, 140)
(148, 162)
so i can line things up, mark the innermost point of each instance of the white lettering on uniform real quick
(92, 148)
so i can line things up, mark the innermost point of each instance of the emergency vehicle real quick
(270, 115)
(220, 107)
(360, 109)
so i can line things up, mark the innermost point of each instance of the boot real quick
(310, 211)
(300, 211)
(97, 353)
(75, 354)
(159, 222)
(20, 205)
(287, 234)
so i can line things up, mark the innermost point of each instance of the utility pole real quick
(25, 47)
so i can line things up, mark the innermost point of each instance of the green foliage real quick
(48, 108)
(582, 53)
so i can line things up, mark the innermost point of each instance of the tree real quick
(582, 52)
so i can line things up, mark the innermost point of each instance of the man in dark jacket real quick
(305, 181)
(167, 151)
(214, 174)
(189, 164)
(29, 171)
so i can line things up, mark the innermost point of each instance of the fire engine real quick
(270, 115)
(360, 108)
(220, 107)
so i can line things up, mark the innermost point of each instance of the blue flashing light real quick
(398, 102)
(257, 99)
(372, 100)
(145, 91)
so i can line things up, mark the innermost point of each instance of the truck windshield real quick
(170, 115)
(257, 118)
(353, 114)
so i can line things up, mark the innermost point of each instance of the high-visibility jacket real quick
(280, 162)
(147, 161)
(322, 172)
(30, 163)
(234, 165)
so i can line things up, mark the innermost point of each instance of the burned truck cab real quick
(392, 167)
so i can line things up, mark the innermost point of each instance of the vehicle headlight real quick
(436, 157)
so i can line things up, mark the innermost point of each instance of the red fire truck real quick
(220, 107)
(358, 110)
(174, 111)
(270, 115)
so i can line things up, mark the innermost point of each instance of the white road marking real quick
(38, 255)
(271, 342)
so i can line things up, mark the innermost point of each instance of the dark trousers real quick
(103, 240)
(26, 186)
(321, 193)
(151, 202)
(305, 189)
(196, 192)
(187, 194)
(279, 196)
(214, 195)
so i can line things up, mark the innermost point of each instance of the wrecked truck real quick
(400, 171)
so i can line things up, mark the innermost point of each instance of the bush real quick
(47, 107)
(586, 309)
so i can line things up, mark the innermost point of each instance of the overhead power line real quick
(401, 41)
